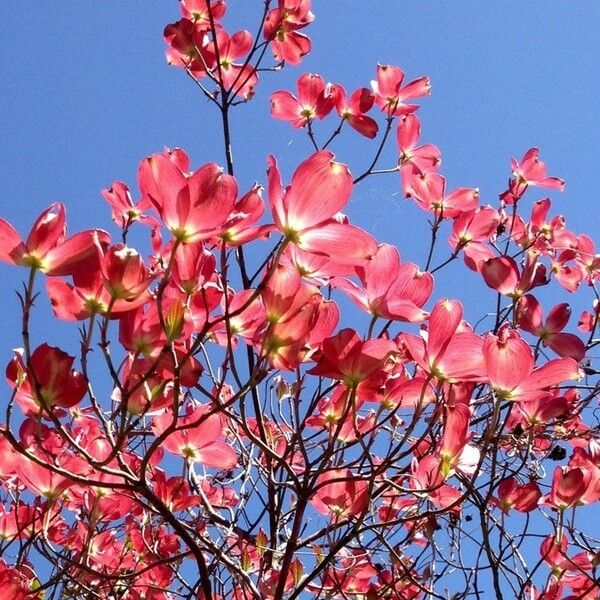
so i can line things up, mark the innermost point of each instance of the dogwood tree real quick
(293, 410)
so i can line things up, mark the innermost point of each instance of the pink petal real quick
(381, 271)
(65, 258)
(48, 230)
(216, 454)
(12, 247)
(389, 80)
(320, 188)
(240, 44)
(443, 322)
(310, 87)
(567, 345)
(508, 360)
(364, 125)
(558, 317)
(212, 197)
(549, 375)
(285, 107)
(408, 132)
(339, 240)
(463, 359)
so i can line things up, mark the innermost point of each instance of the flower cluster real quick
(231, 430)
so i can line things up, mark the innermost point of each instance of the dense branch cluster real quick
(226, 433)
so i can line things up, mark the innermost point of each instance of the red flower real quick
(353, 110)
(347, 358)
(532, 171)
(521, 497)
(193, 206)
(340, 494)
(197, 436)
(314, 101)
(550, 332)
(47, 247)
(304, 211)
(392, 290)
(509, 364)
(390, 94)
(281, 30)
(47, 382)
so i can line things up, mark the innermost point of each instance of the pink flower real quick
(281, 30)
(347, 358)
(414, 160)
(340, 494)
(48, 381)
(550, 332)
(390, 289)
(314, 101)
(193, 206)
(197, 436)
(47, 248)
(305, 211)
(353, 110)
(451, 352)
(390, 94)
(532, 171)
(510, 368)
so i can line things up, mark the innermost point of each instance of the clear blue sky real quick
(86, 93)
